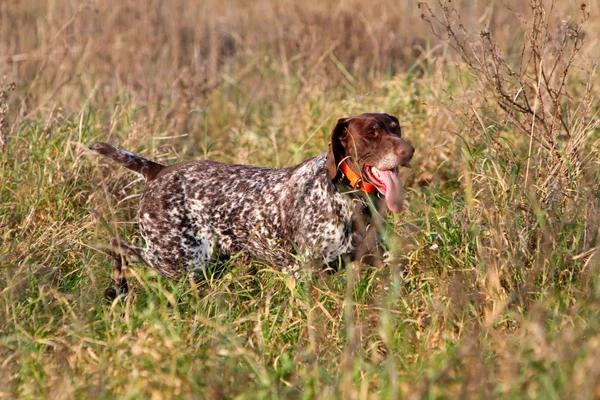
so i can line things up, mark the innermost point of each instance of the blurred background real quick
(173, 59)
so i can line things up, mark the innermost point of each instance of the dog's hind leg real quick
(120, 252)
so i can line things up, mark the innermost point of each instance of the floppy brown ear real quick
(393, 119)
(336, 149)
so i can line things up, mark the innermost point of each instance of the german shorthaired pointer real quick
(319, 212)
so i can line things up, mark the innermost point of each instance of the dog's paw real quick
(115, 290)
(397, 264)
(110, 293)
(389, 259)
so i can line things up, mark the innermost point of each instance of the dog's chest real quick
(324, 230)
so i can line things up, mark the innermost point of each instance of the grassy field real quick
(498, 292)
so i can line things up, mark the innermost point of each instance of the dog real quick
(320, 212)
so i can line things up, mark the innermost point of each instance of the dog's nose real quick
(406, 151)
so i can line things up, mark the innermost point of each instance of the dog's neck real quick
(347, 176)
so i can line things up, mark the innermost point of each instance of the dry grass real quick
(500, 291)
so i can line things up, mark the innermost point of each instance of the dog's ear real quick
(396, 129)
(393, 119)
(336, 148)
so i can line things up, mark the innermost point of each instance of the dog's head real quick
(372, 146)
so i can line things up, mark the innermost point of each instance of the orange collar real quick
(356, 180)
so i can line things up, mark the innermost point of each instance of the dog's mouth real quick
(388, 184)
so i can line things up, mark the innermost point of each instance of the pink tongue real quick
(394, 190)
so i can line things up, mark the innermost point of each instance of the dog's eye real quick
(374, 131)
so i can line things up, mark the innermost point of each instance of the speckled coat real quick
(285, 217)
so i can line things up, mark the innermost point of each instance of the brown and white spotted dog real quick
(318, 212)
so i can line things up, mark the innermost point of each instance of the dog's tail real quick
(149, 169)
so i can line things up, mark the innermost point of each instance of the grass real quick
(498, 294)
